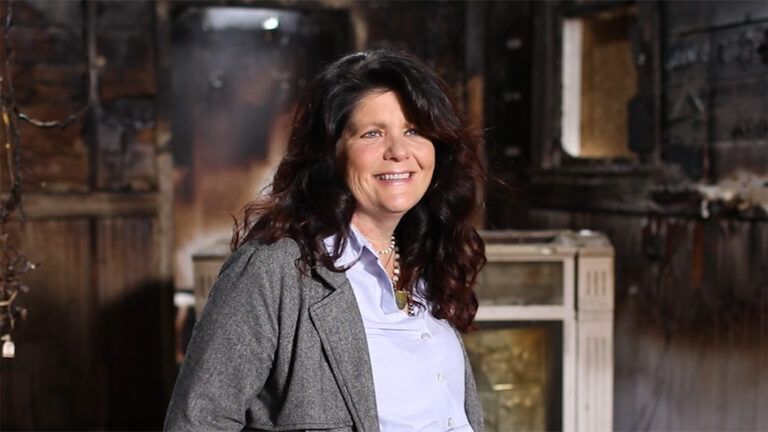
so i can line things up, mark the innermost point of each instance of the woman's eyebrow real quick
(378, 124)
(375, 124)
(354, 128)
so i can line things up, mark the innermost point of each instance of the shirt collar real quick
(356, 244)
(354, 251)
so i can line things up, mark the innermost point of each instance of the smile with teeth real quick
(393, 176)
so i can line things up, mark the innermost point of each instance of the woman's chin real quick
(399, 208)
(385, 211)
(400, 203)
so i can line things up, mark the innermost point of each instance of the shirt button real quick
(440, 378)
(450, 421)
(425, 336)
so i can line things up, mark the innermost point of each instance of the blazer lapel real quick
(340, 326)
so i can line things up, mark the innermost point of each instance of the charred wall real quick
(93, 351)
(687, 215)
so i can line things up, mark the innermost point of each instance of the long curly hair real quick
(309, 199)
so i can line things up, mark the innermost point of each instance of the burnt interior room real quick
(629, 137)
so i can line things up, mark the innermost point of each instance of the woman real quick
(339, 306)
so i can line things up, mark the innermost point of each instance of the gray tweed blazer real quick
(276, 350)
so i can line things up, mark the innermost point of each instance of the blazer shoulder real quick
(281, 254)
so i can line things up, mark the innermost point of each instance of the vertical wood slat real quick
(165, 181)
(131, 302)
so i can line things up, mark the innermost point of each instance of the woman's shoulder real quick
(255, 254)
(285, 247)
(257, 270)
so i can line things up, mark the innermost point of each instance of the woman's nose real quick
(396, 149)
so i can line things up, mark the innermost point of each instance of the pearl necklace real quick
(387, 250)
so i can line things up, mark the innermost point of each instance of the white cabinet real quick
(549, 295)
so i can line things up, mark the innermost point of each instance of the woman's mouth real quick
(394, 176)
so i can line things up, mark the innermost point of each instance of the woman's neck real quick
(378, 233)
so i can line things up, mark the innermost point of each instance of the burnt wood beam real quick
(100, 204)
(636, 194)
(572, 8)
(545, 84)
(95, 114)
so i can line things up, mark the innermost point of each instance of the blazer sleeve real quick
(232, 348)
(472, 405)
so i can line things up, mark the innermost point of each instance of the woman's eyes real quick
(378, 133)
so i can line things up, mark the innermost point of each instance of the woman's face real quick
(389, 165)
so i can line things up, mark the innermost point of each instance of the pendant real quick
(401, 298)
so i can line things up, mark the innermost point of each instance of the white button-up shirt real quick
(417, 361)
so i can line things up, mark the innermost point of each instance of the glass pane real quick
(522, 283)
(517, 369)
(599, 81)
(608, 82)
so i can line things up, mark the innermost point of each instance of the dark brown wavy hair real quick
(309, 199)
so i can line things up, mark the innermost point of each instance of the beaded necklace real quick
(402, 296)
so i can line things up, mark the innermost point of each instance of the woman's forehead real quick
(379, 105)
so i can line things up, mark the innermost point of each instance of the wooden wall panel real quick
(126, 156)
(691, 15)
(55, 346)
(91, 355)
(50, 79)
(508, 46)
(433, 31)
(127, 45)
(63, 168)
(715, 103)
(132, 305)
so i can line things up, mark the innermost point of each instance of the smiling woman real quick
(388, 163)
(351, 276)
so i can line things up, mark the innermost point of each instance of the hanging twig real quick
(13, 265)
